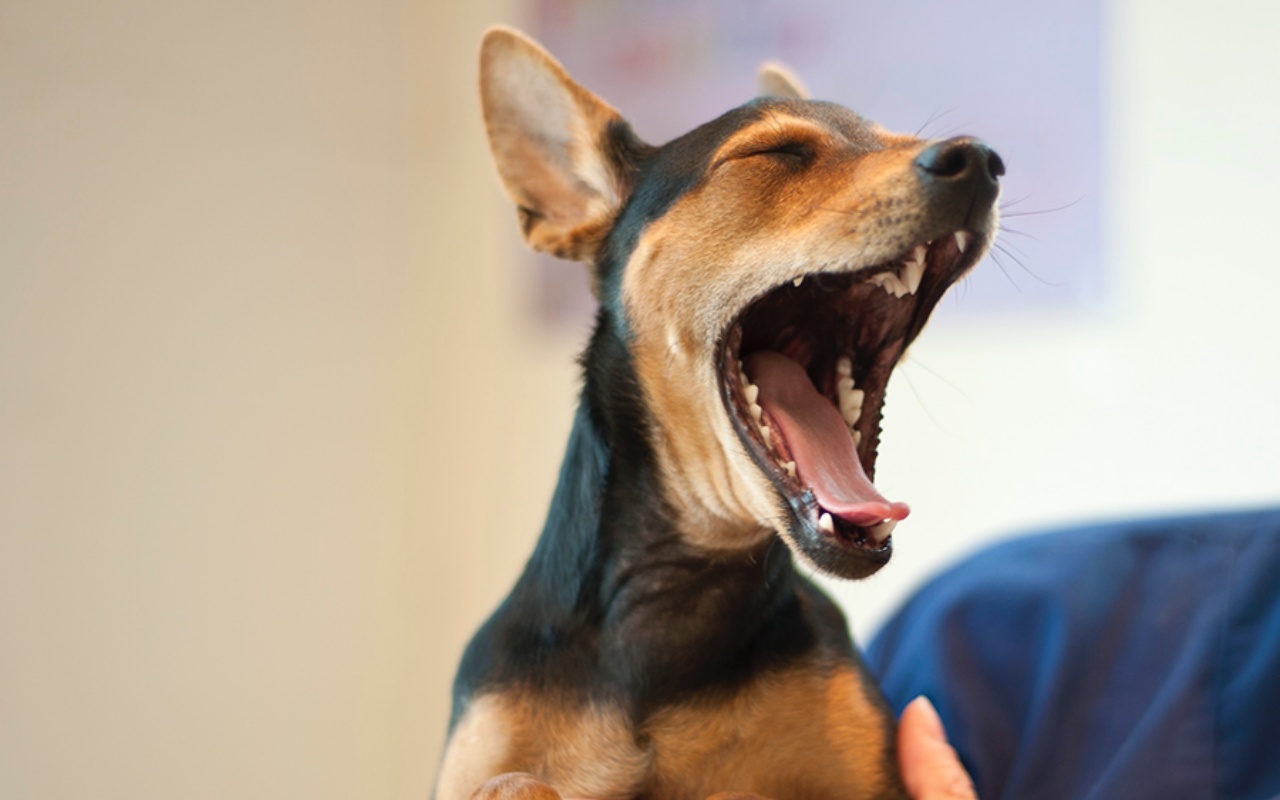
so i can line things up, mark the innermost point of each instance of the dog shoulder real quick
(583, 748)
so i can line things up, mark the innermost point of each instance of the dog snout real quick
(963, 170)
(961, 159)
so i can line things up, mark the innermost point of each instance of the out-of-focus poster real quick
(1023, 76)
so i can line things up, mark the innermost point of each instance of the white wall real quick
(275, 432)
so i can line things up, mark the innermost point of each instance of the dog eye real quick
(793, 153)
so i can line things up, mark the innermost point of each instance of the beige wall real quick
(275, 433)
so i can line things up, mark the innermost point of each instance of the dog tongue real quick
(819, 441)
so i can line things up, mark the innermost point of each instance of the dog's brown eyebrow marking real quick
(772, 130)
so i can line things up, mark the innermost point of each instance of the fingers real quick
(930, 768)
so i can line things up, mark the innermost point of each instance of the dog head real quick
(765, 271)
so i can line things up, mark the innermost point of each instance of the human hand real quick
(930, 767)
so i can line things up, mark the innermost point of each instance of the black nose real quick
(960, 160)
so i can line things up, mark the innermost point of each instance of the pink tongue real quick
(819, 440)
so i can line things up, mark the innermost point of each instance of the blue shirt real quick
(1133, 660)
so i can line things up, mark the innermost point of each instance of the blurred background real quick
(282, 400)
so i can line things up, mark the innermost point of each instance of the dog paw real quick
(517, 786)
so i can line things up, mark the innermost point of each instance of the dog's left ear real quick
(775, 80)
(565, 156)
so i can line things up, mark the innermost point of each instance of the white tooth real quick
(844, 366)
(912, 272)
(857, 438)
(851, 414)
(845, 384)
(962, 240)
(851, 407)
(790, 467)
(756, 411)
(881, 532)
(917, 255)
(752, 392)
(767, 435)
(825, 523)
(797, 281)
(889, 282)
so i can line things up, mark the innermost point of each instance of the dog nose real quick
(959, 160)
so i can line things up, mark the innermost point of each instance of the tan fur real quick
(545, 132)
(777, 81)
(800, 733)
(749, 228)
(594, 754)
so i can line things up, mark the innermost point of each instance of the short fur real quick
(660, 643)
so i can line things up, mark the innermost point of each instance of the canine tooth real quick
(844, 366)
(790, 467)
(756, 411)
(881, 532)
(917, 255)
(767, 435)
(962, 240)
(797, 281)
(912, 273)
(825, 523)
(752, 392)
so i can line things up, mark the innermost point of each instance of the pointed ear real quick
(776, 80)
(565, 156)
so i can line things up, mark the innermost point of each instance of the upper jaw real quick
(847, 328)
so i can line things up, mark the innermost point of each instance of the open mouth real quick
(803, 371)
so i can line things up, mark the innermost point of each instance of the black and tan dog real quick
(758, 279)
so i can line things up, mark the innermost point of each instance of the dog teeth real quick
(826, 524)
(751, 391)
(756, 411)
(767, 435)
(851, 405)
(797, 281)
(881, 532)
(790, 467)
(912, 273)
(844, 366)
(918, 254)
(962, 240)
(890, 282)
(857, 438)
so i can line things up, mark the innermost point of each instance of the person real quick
(930, 767)
(1128, 660)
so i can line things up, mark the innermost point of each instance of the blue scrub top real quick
(1131, 660)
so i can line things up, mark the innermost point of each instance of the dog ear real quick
(564, 155)
(775, 80)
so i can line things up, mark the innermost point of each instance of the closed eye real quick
(795, 154)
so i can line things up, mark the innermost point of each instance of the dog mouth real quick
(803, 371)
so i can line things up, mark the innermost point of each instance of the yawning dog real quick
(758, 278)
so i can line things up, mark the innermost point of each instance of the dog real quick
(757, 279)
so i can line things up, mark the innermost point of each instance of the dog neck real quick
(614, 581)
